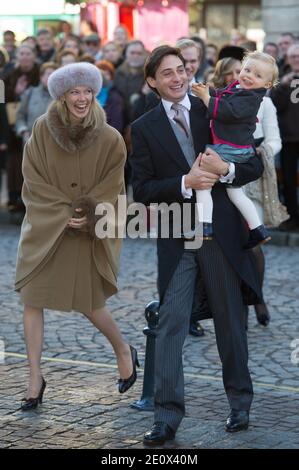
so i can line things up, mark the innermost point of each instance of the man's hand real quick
(197, 178)
(212, 163)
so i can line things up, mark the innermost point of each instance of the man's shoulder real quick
(197, 104)
(150, 115)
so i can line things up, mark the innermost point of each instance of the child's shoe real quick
(257, 236)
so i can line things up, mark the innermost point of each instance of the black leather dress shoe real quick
(158, 435)
(195, 329)
(238, 420)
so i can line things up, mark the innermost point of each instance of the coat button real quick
(74, 185)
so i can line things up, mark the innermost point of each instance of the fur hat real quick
(72, 75)
(235, 52)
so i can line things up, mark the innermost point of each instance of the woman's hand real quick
(78, 223)
(21, 85)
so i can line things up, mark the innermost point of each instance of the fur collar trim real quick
(72, 138)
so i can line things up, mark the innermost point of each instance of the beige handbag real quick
(11, 110)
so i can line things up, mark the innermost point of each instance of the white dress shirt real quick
(185, 102)
(190, 85)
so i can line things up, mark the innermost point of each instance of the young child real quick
(233, 112)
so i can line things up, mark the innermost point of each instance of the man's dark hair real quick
(211, 44)
(201, 43)
(288, 34)
(135, 42)
(272, 44)
(8, 32)
(42, 31)
(154, 60)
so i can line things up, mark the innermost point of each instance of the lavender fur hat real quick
(72, 75)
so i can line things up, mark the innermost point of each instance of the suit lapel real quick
(162, 130)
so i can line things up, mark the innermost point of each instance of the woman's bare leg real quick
(104, 322)
(34, 335)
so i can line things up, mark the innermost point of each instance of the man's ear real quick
(151, 82)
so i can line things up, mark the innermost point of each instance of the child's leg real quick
(204, 205)
(245, 206)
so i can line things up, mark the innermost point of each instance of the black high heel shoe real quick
(32, 403)
(125, 384)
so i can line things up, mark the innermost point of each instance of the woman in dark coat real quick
(24, 74)
(3, 139)
(109, 98)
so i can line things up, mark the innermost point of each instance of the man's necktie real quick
(179, 117)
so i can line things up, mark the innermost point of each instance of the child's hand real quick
(201, 91)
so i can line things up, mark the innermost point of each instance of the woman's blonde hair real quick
(93, 118)
(266, 59)
(223, 68)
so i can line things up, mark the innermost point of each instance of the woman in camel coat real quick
(73, 161)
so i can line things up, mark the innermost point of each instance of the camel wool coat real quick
(66, 167)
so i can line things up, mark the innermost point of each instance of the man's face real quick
(120, 36)
(111, 53)
(45, 42)
(26, 57)
(135, 55)
(92, 47)
(191, 56)
(293, 58)
(9, 42)
(284, 43)
(73, 45)
(271, 50)
(211, 54)
(171, 79)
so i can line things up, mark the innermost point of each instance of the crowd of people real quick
(125, 96)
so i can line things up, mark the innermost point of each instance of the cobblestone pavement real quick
(82, 408)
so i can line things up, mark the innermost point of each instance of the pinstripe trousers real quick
(223, 287)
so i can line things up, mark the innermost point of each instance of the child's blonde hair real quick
(266, 58)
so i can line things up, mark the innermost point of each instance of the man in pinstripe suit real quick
(165, 169)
